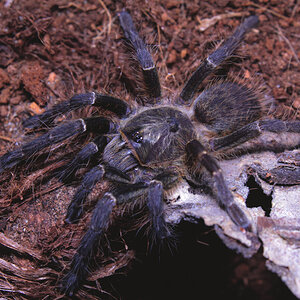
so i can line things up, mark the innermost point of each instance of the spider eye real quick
(137, 137)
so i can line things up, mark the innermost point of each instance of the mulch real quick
(51, 50)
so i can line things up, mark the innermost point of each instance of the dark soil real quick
(50, 50)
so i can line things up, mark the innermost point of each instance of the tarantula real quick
(146, 151)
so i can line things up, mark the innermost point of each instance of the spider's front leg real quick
(90, 179)
(87, 152)
(153, 194)
(155, 204)
(197, 155)
(55, 136)
(123, 193)
(115, 105)
(81, 260)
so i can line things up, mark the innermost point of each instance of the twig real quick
(295, 9)
(108, 14)
(6, 138)
(208, 22)
(279, 31)
(270, 11)
(8, 3)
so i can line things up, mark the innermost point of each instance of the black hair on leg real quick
(82, 157)
(144, 57)
(79, 266)
(155, 204)
(253, 130)
(54, 136)
(76, 206)
(115, 105)
(197, 154)
(215, 59)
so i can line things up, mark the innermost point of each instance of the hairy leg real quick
(143, 56)
(87, 152)
(124, 193)
(76, 206)
(215, 59)
(155, 204)
(90, 179)
(254, 130)
(198, 156)
(54, 136)
(115, 105)
(81, 260)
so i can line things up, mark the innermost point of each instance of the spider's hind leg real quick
(257, 128)
(143, 56)
(215, 59)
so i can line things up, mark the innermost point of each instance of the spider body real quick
(158, 136)
(147, 152)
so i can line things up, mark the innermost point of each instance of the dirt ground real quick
(50, 50)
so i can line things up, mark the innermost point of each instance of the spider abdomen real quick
(227, 106)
